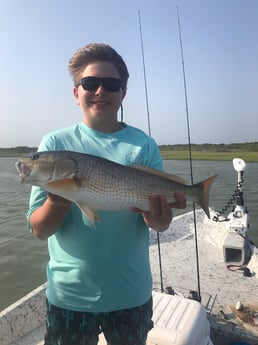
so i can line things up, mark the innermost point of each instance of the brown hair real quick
(97, 52)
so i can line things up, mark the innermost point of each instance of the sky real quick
(220, 49)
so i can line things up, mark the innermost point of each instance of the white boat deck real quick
(23, 322)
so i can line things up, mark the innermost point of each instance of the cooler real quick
(179, 321)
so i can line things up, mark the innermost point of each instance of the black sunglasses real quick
(93, 83)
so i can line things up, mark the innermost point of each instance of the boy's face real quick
(100, 106)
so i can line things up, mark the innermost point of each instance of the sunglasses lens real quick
(93, 83)
(90, 84)
(111, 84)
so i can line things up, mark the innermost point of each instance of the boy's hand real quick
(160, 214)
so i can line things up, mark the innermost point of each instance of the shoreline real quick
(250, 157)
(206, 152)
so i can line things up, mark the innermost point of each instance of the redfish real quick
(95, 183)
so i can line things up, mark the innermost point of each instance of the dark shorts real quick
(122, 327)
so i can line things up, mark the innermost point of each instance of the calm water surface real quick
(23, 258)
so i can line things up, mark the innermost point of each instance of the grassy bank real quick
(16, 151)
(221, 152)
(210, 156)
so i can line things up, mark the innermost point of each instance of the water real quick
(23, 258)
(224, 186)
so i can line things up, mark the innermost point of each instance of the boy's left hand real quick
(160, 214)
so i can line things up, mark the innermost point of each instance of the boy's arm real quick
(49, 217)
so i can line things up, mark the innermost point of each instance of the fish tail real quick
(203, 200)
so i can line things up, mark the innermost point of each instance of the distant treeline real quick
(241, 147)
(16, 151)
(235, 147)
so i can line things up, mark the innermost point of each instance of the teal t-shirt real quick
(106, 268)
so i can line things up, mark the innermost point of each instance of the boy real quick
(99, 280)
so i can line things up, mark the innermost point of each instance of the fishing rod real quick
(149, 132)
(190, 154)
(144, 74)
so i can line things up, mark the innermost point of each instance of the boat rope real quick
(190, 155)
(149, 132)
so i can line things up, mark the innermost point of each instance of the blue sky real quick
(220, 54)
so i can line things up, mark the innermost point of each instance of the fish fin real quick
(204, 196)
(160, 173)
(90, 214)
(64, 187)
(67, 184)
